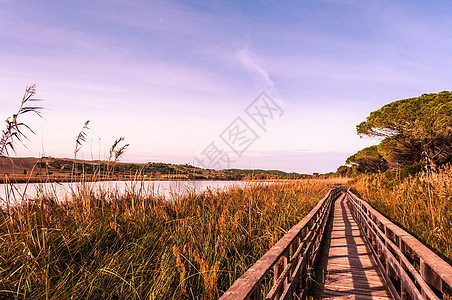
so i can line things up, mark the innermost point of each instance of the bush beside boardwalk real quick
(138, 248)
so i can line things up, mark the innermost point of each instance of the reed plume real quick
(81, 138)
(115, 152)
(15, 129)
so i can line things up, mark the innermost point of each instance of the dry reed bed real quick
(135, 247)
(422, 204)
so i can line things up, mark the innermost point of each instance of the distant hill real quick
(63, 169)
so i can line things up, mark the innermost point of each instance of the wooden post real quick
(430, 276)
(257, 294)
(403, 292)
(390, 271)
(286, 259)
(277, 270)
(405, 249)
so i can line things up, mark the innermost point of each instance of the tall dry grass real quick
(422, 204)
(132, 246)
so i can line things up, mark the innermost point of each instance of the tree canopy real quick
(368, 159)
(412, 130)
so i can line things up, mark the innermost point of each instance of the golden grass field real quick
(135, 247)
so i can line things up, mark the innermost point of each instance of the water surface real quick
(64, 191)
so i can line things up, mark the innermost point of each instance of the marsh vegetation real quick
(145, 248)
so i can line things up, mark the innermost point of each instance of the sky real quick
(219, 84)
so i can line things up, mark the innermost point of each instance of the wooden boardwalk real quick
(346, 268)
(345, 249)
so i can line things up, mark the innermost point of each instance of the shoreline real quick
(19, 180)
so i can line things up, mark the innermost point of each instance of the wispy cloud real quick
(258, 74)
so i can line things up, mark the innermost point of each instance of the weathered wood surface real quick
(346, 268)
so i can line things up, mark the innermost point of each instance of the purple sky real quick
(171, 76)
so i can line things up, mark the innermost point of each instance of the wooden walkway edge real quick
(346, 268)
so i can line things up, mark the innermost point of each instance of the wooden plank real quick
(346, 268)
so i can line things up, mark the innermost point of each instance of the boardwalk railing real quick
(289, 260)
(411, 270)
